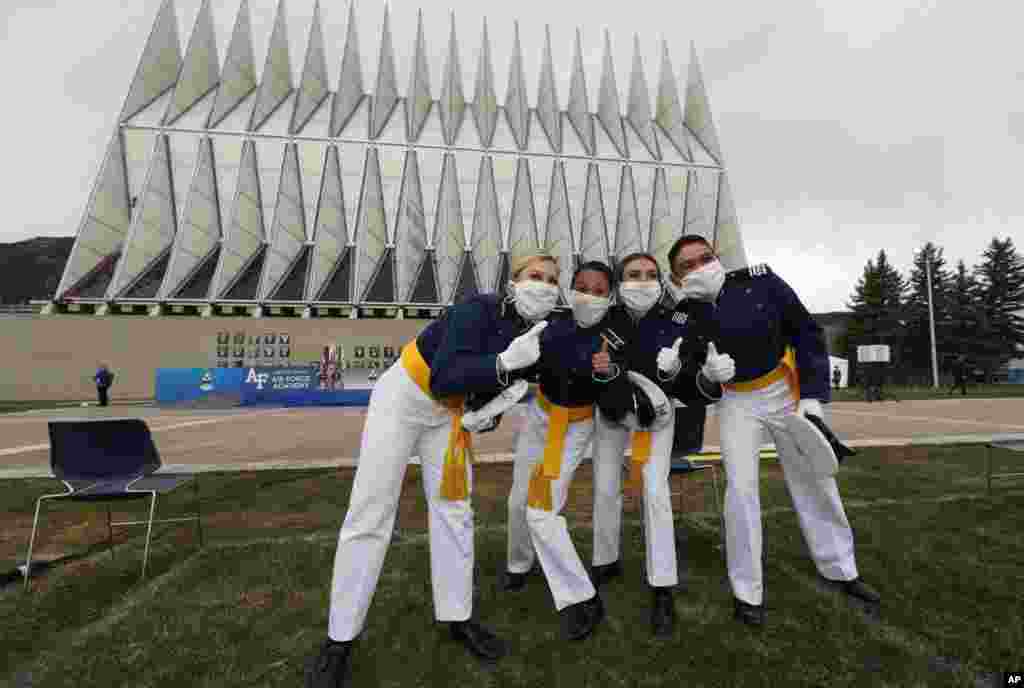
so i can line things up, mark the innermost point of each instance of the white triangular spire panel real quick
(238, 77)
(433, 134)
(558, 229)
(637, 148)
(453, 101)
(609, 112)
(410, 228)
(276, 83)
(106, 220)
(664, 225)
(728, 238)
(430, 163)
(200, 71)
(571, 143)
(547, 98)
(449, 231)
(330, 230)
(417, 99)
(593, 227)
(313, 84)
(485, 102)
(350, 85)
(486, 237)
(199, 230)
(153, 222)
(288, 233)
(698, 109)
(701, 201)
(522, 226)
(517, 109)
(639, 110)
(578, 106)
(160, 63)
(669, 152)
(385, 94)
(627, 224)
(245, 231)
(371, 225)
(669, 112)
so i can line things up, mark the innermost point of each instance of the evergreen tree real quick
(877, 305)
(1000, 297)
(917, 342)
(962, 332)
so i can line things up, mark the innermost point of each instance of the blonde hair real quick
(520, 263)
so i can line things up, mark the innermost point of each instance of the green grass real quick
(892, 392)
(250, 607)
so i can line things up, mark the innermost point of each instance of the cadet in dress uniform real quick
(649, 340)
(558, 426)
(781, 369)
(416, 407)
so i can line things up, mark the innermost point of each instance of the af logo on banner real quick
(259, 378)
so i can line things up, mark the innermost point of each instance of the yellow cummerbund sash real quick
(546, 472)
(454, 481)
(785, 370)
(641, 452)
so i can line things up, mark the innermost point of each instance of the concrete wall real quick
(55, 357)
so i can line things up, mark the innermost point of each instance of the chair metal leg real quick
(149, 533)
(32, 537)
(31, 542)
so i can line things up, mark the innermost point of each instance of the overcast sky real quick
(847, 127)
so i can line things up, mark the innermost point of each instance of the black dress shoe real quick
(663, 613)
(478, 640)
(515, 581)
(859, 589)
(605, 572)
(750, 614)
(512, 581)
(330, 669)
(581, 619)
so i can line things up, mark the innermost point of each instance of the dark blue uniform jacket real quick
(757, 315)
(659, 327)
(461, 347)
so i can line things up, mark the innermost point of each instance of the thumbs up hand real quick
(668, 359)
(718, 367)
(524, 350)
(602, 360)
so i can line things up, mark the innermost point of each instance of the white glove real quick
(485, 417)
(718, 367)
(524, 349)
(668, 359)
(811, 406)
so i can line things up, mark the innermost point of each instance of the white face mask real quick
(588, 309)
(640, 296)
(534, 300)
(704, 283)
(678, 293)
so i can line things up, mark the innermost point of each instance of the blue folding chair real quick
(110, 459)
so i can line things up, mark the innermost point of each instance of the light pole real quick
(931, 318)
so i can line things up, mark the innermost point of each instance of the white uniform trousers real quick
(401, 421)
(547, 533)
(610, 444)
(743, 417)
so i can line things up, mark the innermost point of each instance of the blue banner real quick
(191, 385)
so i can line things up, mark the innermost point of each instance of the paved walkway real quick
(273, 439)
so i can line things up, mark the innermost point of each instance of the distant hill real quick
(31, 269)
